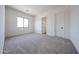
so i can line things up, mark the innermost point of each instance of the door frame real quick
(45, 25)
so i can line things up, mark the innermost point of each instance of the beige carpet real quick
(38, 44)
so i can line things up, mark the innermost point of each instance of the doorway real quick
(43, 23)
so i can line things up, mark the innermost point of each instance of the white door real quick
(60, 24)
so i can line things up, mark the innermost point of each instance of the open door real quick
(43, 23)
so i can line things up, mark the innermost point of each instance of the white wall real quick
(50, 15)
(11, 22)
(2, 20)
(50, 20)
(37, 24)
(74, 19)
(67, 23)
(50, 24)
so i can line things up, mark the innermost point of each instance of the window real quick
(22, 22)
(19, 22)
(25, 22)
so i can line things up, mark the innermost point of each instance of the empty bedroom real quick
(41, 29)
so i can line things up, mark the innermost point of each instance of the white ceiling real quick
(33, 9)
